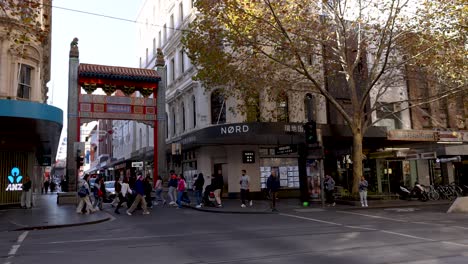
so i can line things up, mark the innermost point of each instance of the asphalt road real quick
(169, 235)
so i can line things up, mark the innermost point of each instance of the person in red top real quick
(181, 188)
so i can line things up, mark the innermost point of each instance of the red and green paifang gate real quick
(120, 102)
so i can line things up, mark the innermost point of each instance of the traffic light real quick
(310, 129)
(80, 161)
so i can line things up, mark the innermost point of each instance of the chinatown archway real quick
(120, 102)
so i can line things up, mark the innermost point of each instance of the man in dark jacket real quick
(140, 193)
(273, 186)
(198, 187)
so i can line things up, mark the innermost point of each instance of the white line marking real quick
(312, 219)
(13, 250)
(405, 235)
(461, 227)
(374, 216)
(454, 243)
(361, 227)
(22, 237)
(112, 239)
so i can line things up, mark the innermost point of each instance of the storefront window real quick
(287, 170)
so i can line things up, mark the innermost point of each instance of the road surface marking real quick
(374, 216)
(22, 237)
(409, 236)
(361, 227)
(461, 227)
(311, 219)
(15, 247)
(454, 243)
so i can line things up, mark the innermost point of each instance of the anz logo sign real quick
(14, 180)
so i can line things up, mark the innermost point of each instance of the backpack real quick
(82, 192)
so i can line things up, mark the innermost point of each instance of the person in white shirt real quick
(244, 189)
(123, 194)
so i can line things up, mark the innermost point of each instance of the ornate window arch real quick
(309, 107)
(282, 108)
(182, 108)
(194, 111)
(218, 107)
(253, 108)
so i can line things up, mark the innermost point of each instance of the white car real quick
(110, 189)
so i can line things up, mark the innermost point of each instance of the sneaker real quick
(129, 213)
(117, 212)
(219, 206)
(274, 210)
(251, 203)
(146, 213)
(243, 205)
(198, 206)
(333, 204)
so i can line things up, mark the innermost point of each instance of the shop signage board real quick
(248, 156)
(451, 136)
(137, 164)
(412, 135)
(287, 149)
(14, 180)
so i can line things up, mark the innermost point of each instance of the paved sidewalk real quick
(45, 214)
(233, 206)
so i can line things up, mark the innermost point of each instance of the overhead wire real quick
(111, 17)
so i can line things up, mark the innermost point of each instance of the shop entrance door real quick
(394, 174)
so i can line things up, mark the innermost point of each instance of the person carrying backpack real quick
(83, 193)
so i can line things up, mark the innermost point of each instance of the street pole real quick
(322, 167)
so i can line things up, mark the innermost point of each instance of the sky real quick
(101, 41)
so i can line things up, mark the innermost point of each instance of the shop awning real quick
(32, 127)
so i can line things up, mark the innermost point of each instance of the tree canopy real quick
(363, 47)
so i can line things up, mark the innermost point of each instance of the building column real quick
(161, 115)
(73, 127)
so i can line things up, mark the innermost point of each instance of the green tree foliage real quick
(360, 46)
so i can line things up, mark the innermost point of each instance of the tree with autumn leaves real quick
(363, 48)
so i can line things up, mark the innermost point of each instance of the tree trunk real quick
(357, 160)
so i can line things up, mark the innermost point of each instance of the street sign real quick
(285, 149)
(137, 164)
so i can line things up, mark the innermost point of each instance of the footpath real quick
(233, 206)
(45, 214)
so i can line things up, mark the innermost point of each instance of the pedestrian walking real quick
(46, 185)
(363, 184)
(198, 188)
(140, 192)
(329, 185)
(123, 195)
(172, 188)
(218, 183)
(158, 188)
(273, 186)
(244, 189)
(99, 193)
(117, 189)
(26, 194)
(148, 190)
(83, 193)
(181, 189)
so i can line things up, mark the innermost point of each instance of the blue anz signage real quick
(14, 180)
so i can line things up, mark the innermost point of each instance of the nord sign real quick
(236, 129)
(14, 180)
